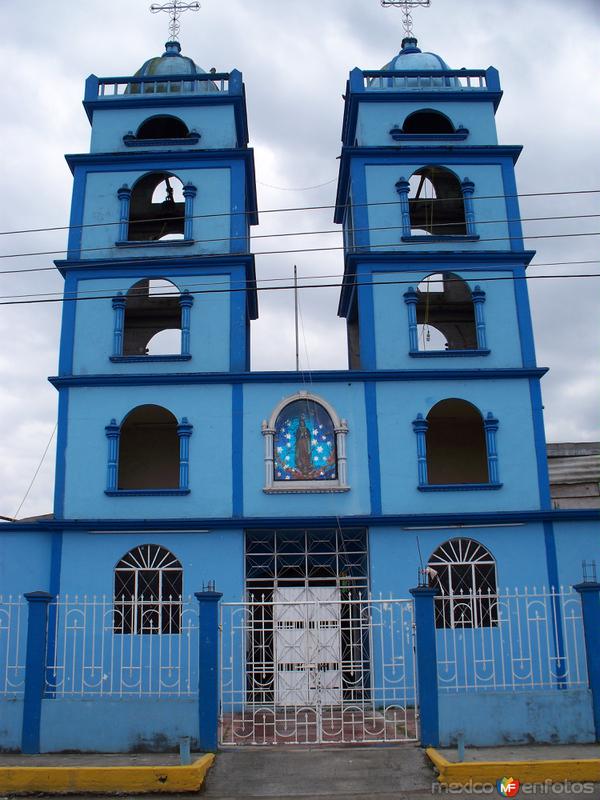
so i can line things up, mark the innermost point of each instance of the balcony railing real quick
(163, 85)
(455, 80)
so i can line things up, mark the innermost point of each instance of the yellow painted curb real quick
(105, 780)
(576, 769)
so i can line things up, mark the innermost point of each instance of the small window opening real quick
(427, 122)
(464, 572)
(148, 592)
(157, 209)
(455, 444)
(436, 203)
(163, 128)
(149, 450)
(445, 314)
(152, 319)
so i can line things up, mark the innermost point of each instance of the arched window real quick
(465, 573)
(444, 316)
(152, 321)
(427, 121)
(305, 447)
(456, 447)
(162, 127)
(148, 453)
(158, 208)
(435, 203)
(148, 591)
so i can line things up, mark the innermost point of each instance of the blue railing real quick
(456, 80)
(229, 83)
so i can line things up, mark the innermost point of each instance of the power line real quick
(139, 245)
(283, 210)
(35, 474)
(342, 284)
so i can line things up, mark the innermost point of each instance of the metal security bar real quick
(90, 654)
(317, 665)
(513, 641)
(13, 634)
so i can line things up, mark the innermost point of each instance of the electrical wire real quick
(35, 474)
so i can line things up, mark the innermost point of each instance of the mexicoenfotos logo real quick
(508, 787)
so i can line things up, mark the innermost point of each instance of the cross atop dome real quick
(175, 8)
(407, 7)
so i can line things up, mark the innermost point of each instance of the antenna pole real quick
(296, 318)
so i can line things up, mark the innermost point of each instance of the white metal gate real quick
(315, 665)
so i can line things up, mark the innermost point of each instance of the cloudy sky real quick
(295, 57)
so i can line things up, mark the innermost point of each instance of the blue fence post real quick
(35, 670)
(590, 604)
(427, 665)
(208, 670)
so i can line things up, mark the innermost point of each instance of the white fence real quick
(92, 651)
(514, 641)
(13, 636)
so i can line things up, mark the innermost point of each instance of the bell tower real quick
(159, 283)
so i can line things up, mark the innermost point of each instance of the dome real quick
(412, 58)
(171, 63)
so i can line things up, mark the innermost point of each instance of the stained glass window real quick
(304, 446)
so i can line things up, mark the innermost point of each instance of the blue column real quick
(478, 298)
(427, 665)
(590, 603)
(208, 670)
(186, 301)
(468, 188)
(490, 424)
(35, 670)
(189, 192)
(403, 188)
(113, 432)
(420, 427)
(184, 431)
(411, 298)
(124, 195)
(118, 303)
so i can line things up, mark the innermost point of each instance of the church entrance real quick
(309, 657)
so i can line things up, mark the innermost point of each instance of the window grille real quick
(148, 589)
(465, 573)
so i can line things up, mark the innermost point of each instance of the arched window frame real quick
(468, 598)
(154, 569)
(459, 133)
(131, 140)
(478, 296)
(113, 436)
(340, 427)
(490, 426)
(124, 196)
(119, 304)
(468, 190)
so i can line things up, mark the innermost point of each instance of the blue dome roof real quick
(411, 58)
(170, 63)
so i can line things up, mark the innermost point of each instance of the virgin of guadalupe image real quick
(303, 450)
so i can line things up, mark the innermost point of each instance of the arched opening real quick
(148, 591)
(304, 443)
(149, 450)
(464, 572)
(152, 319)
(162, 127)
(436, 203)
(456, 444)
(157, 208)
(445, 314)
(427, 121)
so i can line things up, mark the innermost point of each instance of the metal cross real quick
(175, 8)
(406, 6)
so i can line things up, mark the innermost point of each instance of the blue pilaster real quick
(124, 195)
(490, 423)
(35, 670)
(189, 193)
(590, 603)
(208, 670)
(113, 433)
(468, 189)
(184, 431)
(119, 302)
(403, 188)
(478, 297)
(186, 301)
(411, 298)
(420, 426)
(427, 681)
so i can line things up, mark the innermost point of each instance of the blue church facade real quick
(179, 467)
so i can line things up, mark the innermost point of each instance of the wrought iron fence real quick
(513, 641)
(13, 636)
(90, 652)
